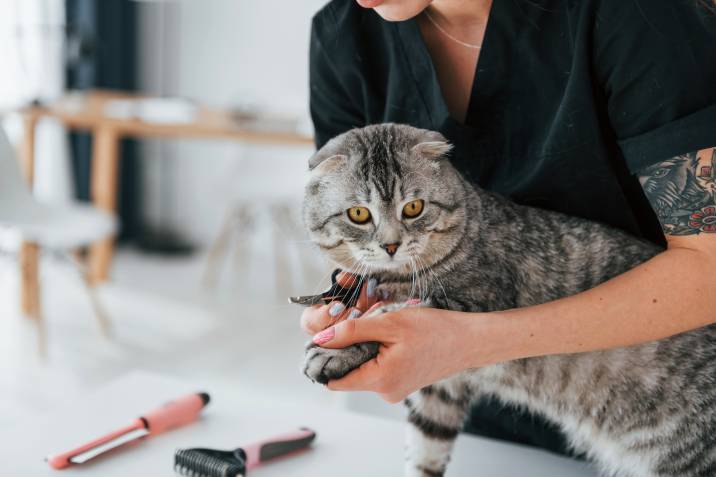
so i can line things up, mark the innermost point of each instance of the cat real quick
(384, 200)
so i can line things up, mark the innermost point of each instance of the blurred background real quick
(165, 143)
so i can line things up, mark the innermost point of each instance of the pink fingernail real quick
(413, 301)
(324, 336)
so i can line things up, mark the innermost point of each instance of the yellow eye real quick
(359, 215)
(413, 208)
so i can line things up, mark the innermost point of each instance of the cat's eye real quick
(413, 208)
(359, 215)
(661, 172)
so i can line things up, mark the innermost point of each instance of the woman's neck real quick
(460, 14)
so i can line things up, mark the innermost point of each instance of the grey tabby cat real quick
(385, 201)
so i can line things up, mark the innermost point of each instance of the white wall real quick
(224, 53)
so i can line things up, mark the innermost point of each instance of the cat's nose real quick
(390, 248)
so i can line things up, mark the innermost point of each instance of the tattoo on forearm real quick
(682, 191)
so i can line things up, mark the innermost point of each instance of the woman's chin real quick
(400, 10)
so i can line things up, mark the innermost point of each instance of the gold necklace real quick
(435, 24)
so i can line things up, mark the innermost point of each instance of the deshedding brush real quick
(235, 463)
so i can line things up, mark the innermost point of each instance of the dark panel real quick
(102, 53)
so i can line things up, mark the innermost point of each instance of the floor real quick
(240, 331)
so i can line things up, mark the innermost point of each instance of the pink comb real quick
(173, 414)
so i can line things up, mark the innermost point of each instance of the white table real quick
(348, 444)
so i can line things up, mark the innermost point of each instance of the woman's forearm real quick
(669, 294)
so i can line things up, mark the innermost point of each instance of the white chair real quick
(267, 195)
(61, 228)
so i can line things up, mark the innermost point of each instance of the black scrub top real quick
(570, 99)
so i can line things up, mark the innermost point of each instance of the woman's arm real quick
(669, 294)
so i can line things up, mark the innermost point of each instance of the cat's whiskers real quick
(319, 283)
(412, 277)
(434, 277)
(416, 280)
(422, 275)
(415, 276)
(361, 268)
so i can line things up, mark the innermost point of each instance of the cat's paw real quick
(324, 364)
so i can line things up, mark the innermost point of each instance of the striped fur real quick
(643, 411)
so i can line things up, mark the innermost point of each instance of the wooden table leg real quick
(105, 162)
(29, 252)
(29, 280)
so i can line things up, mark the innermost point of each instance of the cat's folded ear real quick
(327, 158)
(432, 145)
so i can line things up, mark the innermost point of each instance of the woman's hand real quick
(319, 317)
(419, 346)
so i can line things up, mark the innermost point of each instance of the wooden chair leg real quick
(30, 302)
(80, 256)
(245, 224)
(29, 279)
(97, 308)
(309, 262)
(298, 242)
(281, 256)
(41, 335)
(30, 252)
(218, 251)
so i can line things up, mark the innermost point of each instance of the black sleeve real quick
(332, 107)
(656, 62)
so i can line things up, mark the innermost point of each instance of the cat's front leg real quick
(436, 416)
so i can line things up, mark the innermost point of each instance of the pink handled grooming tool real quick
(235, 463)
(173, 414)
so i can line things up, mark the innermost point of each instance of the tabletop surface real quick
(88, 110)
(348, 444)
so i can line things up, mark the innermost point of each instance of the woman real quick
(604, 109)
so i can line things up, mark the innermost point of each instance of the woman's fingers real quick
(312, 317)
(372, 376)
(319, 317)
(364, 378)
(368, 293)
(350, 332)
